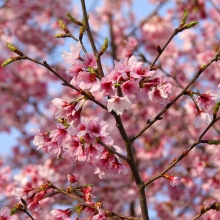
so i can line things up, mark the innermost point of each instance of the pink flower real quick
(89, 61)
(174, 181)
(74, 53)
(5, 214)
(118, 104)
(100, 216)
(73, 178)
(130, 88)
(59, 135)
(117, 168)
(202, 117)
(73, 148)
(96, 127)
(106, 86)
(21, 192)
(67, 110)
(39, 139)
(160, 93)
(87, 193)
(75, 69)
(207, 101)
(89, 81)
(34, 205)
(60, 214)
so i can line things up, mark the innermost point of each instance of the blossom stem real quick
(26, 212)
(112, 150)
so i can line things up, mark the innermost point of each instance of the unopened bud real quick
(81, 32)
(213, 142)
(190, 24)
(11, 60)
(69, 189)
(216, 206)
(74, 20)
(60, 35)
(159, 50)
(202, 209)
(14, 49)
(216, 109)
(104, 46)
(13, 211)
(184, 18)
(63, 26)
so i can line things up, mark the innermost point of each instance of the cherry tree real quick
(130, 128)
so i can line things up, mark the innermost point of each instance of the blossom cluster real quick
(128, 83)
(80, 143)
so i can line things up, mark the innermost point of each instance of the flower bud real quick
(14, 49)
(190, 24)
(74, 20)
(104, 46)
(184, 18)
(216, 109)
(63, 26)
(60, 35)
(11, 60)
(81, 32)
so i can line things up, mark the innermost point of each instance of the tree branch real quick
(112, 150)
(184, 154)
(66, 83)
(158, 117)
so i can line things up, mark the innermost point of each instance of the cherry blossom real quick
(127, 60)
(100, 216)
(174, 181)
(202, 117)
(118, 104)
(61, 214)
(5, 214)
(73, 178)
(206, 101)
(74, 54)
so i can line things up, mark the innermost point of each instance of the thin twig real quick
(89, 33)
(112, 150)
(93, 207)
(66, 83)
(184, 154)
(205, 209)
(158, 117)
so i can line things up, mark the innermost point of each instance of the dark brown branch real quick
(133, 166)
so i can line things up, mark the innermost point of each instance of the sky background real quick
(142, 9)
